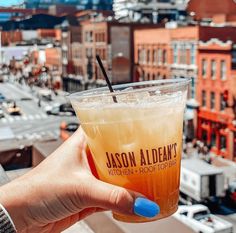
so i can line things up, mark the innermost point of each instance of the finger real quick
(107, 196)
(119, 200)
(78, 138)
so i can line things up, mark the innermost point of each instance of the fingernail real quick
(146, 208)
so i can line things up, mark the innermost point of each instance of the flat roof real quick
(47, 147)
(200, 167)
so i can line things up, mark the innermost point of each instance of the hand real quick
(62, 190)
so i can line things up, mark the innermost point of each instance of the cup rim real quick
(162, 84)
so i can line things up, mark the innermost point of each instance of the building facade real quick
(152, 11)
(216, 62)
(190, 52)
(217, 11)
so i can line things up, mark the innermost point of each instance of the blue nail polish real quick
(146, 208)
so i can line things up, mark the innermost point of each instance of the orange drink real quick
(136, 143)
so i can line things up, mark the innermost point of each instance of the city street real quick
(34, 123)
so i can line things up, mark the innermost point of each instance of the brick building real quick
(51, 34)
(217, 65)
(217, 11)
(10, 37)
(180, 52)
(166, 53)
(113, 42)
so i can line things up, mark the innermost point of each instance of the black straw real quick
(106, 77)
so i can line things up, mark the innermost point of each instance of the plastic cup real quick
(136, 143)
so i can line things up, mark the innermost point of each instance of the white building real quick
(152, 10)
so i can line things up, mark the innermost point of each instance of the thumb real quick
(120, 200)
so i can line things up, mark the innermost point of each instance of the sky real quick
(6, 3)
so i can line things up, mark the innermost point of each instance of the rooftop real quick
(200, 167)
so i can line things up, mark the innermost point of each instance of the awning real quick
(192, 103)
(189, 114)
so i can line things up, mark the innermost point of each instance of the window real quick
(148, 56)
(139, 55)
(164, 57)
(154, 56)
(212, 100)
(148, 76)
(193, 88)
(192, 55)
(213, 69)
(234, 59)
(204, 67)
(184, 213)
(213, 138)
(175, 54)
(222, 70)
(223, 142)
(153, 76)
(183, 54)
(200, 215)
(203, 98)
(144, 56)
(159, 56)
(89, 52)
(222, 102)
(89, 36)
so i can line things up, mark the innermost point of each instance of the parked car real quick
(15, 111)
(67, 107)
(70, 127)
(199, 218)
(45, 95)
(66, 129)
(1, 113)
(2, 97)
(60, 109)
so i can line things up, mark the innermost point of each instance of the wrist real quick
(13, 199)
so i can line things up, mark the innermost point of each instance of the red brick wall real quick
(152, 40)
(209, 8)
(9, 37)
(53, 57)
(50, 33)
(215, 120)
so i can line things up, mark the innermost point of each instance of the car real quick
(2, 97)
(60, 110)
(45, 95)
(1, 113)
(66, 129)
(70, 127)
(14, 111)
(67, 107)
(56, 111)
(199, 218)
